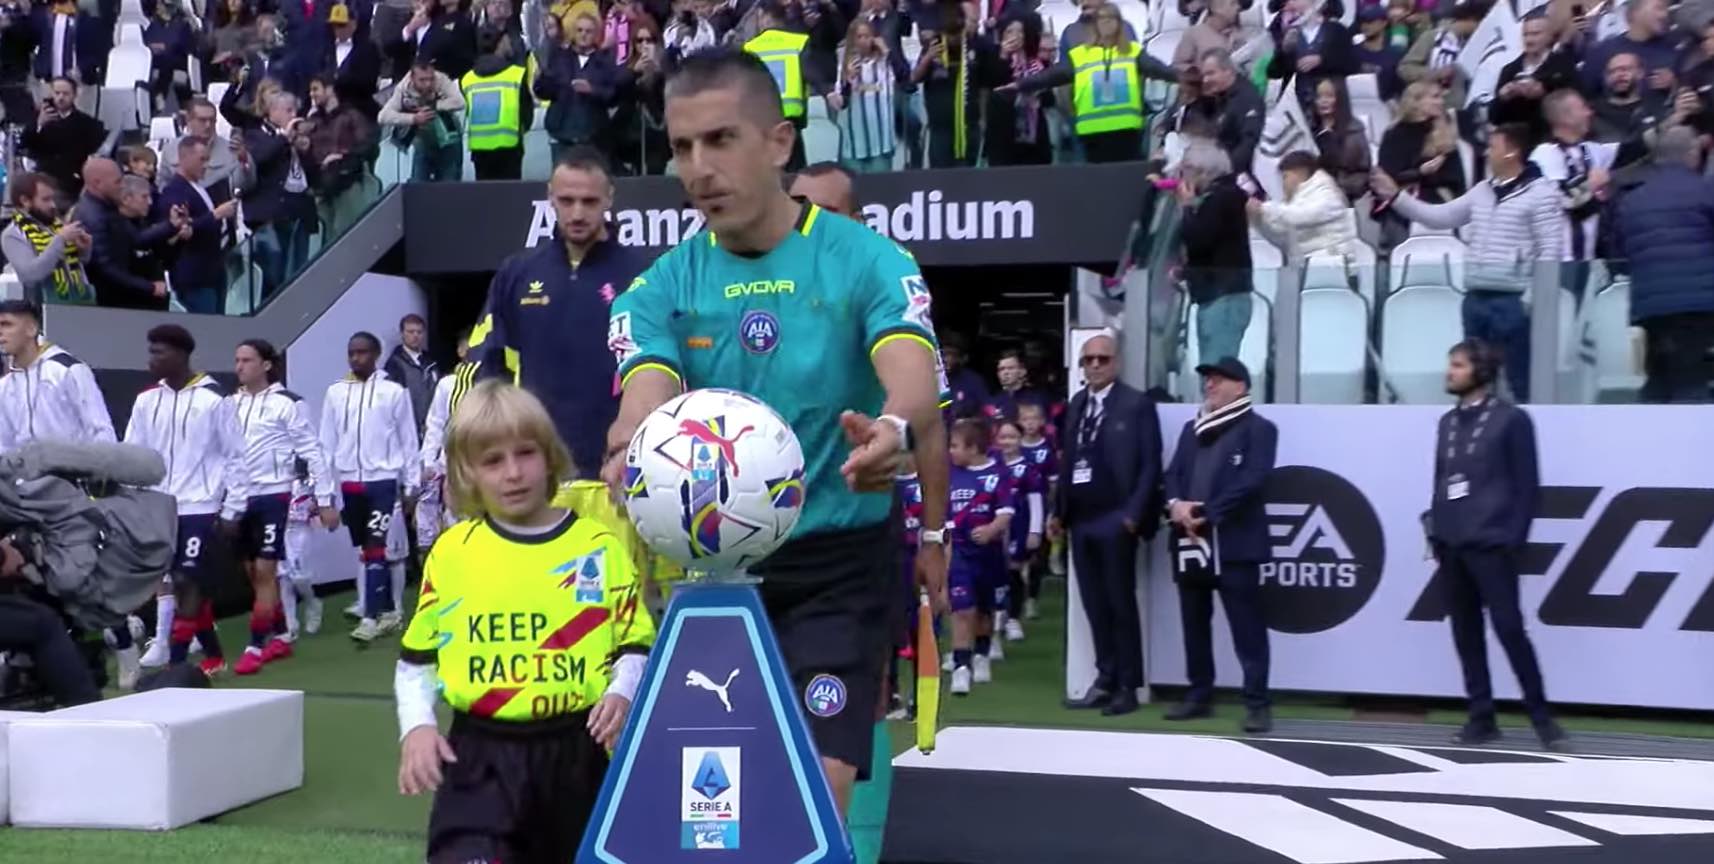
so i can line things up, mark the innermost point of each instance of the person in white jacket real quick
(369, 434)
(277, 435)
(434, 512)
(1315, 219)
(187, 419)
(49, 394)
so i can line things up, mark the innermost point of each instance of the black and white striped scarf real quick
(1209, 424)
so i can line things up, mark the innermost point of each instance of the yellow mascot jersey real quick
(526, 627)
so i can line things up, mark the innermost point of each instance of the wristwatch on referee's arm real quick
(907, 441)
(937, 536)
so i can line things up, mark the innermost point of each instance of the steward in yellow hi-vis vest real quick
(498, 111)
(1107, 91)
(781, 51)
(531, 625)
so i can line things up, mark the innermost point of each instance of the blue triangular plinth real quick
(716, 754)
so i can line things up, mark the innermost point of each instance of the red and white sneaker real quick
(212, 666)
(278, 649)
(250, 663)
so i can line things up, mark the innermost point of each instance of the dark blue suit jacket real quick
(1245, 451)
(90, 43)
(198, 262)
(1130, 442)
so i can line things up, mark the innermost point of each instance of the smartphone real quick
(1577, 10)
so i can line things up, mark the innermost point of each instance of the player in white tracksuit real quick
(47, 394)
(369, 434)
(186, 418)
(278, 436)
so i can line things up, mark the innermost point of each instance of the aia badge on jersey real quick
(583, 576)
(759, 332)
(825, 695)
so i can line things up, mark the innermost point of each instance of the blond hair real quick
(495, 412)
(1442, 136)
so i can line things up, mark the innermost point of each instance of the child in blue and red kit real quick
(1024, 537)
(907, 490)
(981, 515)
(1043, 452)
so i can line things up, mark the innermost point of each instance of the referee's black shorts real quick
(830, 597)
(520, 793)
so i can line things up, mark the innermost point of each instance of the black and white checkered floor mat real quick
(998, 795)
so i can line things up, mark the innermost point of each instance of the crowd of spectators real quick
(313, 89)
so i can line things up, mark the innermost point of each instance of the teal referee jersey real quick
(795, 327)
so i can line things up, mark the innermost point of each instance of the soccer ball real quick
(714, 480)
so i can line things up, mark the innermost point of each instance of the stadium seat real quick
(1164, 44)
(1576, 368)
(216, 92)
(1428, 259)
(1266, 262)
(1164, 17)
(820, 134)
(1418, 323)
(1334, 345)
(1618, 373)
(162, 130)
(127, 64)
(184, 755)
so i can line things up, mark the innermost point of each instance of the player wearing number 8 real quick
(185, 418)
(277, 433)
(369, 434)
(842, 335)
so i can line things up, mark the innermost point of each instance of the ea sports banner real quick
(1055, 214)
(1618, 584)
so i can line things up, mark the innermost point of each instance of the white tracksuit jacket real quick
(435, 428)
(54, 397)
(369, 432)
(277, 432)
(195, 432)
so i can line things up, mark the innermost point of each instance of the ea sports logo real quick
(1328, 550)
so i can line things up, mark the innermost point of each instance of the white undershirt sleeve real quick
(415, 690)
(627, 675)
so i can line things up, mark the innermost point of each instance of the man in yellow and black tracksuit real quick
(782, 50)
(499, 111)
(522, 632)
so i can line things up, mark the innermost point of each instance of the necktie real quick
(1091, 422)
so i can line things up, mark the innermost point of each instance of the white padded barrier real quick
(184, 755)
(6, 717)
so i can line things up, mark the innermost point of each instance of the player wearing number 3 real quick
(369, 434)
(277, 433)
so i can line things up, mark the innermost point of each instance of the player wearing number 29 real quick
(828, 323)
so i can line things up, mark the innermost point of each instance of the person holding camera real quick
(688, 31)
(62, 137)
(198, 268)
(423, 115)
(35, 629)
(46, 253)
(279, 207)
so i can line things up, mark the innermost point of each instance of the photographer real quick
(46, 253)
(423, 113)
(34, 629)
(63, 137)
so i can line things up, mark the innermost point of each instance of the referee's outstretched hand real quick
(420, 757)
(876, 452)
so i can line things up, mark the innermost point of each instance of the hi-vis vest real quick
(783, 52)
(493, 103)
(1107, 91)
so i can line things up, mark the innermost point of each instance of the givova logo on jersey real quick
(1327, 554)
(710, 796)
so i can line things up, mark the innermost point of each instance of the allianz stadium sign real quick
(1077, 214)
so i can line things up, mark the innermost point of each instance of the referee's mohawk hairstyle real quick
(726, 66)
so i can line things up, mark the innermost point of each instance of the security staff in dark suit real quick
(1108, 497)
(1486, 489)
(1214, 492)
